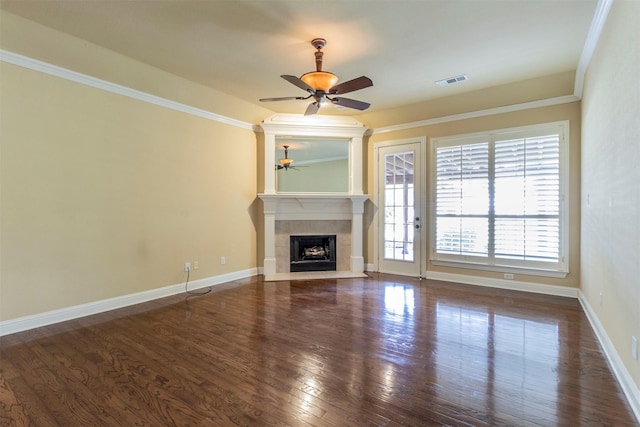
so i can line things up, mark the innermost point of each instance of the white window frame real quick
(561, 269)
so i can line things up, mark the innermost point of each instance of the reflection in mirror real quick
(315, 165)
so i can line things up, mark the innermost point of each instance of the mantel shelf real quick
(337, 196)
(313, 206)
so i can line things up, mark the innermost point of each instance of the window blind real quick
(498, 198)
(527, 198)
(463, 199)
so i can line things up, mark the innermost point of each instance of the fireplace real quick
(288, 215)
(312, 253)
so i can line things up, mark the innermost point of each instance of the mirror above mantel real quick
(329, 146)
(312, 164)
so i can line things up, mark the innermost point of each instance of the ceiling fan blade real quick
(312, 108)
(285, 98)
(350, 86)
(296, 81)
(350, 103)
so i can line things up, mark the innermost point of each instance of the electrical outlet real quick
(601, 301)
(634, 347)
(223, 260)
(508, 276)
(195, 265)
(187, 266)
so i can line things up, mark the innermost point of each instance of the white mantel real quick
(308, 207)
(313, 206)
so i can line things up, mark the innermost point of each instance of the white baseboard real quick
(68, 313)
(629, 387)
(515, 285)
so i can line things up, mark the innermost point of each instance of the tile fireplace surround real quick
(310, 214)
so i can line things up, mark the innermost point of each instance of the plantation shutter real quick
(462, 209)
(498, 199)
(527, 198)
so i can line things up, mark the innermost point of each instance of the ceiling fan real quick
(320, 84)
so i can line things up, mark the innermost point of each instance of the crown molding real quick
(324, 125)
(480, 113)
(63, 73)
(597, 24)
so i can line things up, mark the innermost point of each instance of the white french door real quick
(399, 217)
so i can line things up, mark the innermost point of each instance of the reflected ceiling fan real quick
(321, 86)
(286, 162)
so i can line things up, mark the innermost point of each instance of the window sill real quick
(502, 269)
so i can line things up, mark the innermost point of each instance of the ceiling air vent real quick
(452, 80)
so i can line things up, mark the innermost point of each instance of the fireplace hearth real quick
(312, 253)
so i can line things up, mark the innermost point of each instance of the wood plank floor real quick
(377, 351)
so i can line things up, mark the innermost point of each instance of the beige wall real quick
(611, 180)
(103, 195)
(570, 112)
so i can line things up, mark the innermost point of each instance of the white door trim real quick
(422, 140)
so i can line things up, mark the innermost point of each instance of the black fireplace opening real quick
(313, 253)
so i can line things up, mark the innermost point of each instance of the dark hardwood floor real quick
(382, 351)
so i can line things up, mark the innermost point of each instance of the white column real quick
(269, 163)
(269, 207)
(357, 258)
(355, 165)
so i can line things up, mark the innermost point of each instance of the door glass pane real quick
(399, 213)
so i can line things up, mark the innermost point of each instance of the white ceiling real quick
(241, 47)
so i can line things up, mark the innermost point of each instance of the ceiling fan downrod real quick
(319, 43)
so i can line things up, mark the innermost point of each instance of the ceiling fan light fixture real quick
(285, 162)
(320, 80)
(319, 85)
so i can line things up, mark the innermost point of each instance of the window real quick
(498, 199)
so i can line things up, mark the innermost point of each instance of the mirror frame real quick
(296, 125)
(307, 180)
